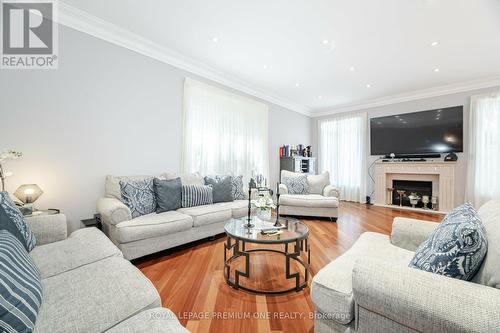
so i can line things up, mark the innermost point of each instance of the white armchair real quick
(321, 201)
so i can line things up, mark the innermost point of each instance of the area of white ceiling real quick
(322, 55)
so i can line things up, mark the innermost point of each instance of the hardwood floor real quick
(191, 283)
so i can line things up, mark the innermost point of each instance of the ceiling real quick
(322, 54)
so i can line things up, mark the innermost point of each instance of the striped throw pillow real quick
(20, 286)
(195, 195)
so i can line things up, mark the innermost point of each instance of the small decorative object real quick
(451, 157)
(414, 198)
(309, 153)
(7, 155)
(391, 191)
(28, 194)
(264, 206)
(401, 194)
(251, 185)
(260, 179)
(434, 201)
(392, 156)
(425, 201)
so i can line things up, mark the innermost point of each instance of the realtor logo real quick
(29, 34)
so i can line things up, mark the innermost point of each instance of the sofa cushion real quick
(222, 188)
(157, 320)
(186, 178)
(239, 208)
(331, 289)
(489, 273)
(318, 182)
(10, 214)
(139, 196)
(82, 247)
(168, 194)
(94, 297)
(296, 185)
(309, 200)
(208, 214)
(194, 195)
(112, 185)
(20, 286)
(152, 225)
(456, 248)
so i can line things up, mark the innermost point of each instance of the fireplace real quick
(410, 186)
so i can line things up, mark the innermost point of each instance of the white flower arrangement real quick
(264, 202)
(7, 155)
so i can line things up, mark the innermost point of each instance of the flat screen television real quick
(418, 133)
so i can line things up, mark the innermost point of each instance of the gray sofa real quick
(137, 237)
(89, 287)
(321, 201)
(370, 288)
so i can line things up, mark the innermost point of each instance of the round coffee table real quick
(295, 234)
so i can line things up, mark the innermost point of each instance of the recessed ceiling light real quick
(435, 43)
(368, 85)
(325, 41)
(436, 70)
(265, 66)
(320, 97)
(352, 68)
(215, 39)
(297, 84)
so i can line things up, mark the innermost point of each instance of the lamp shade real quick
(28, 193)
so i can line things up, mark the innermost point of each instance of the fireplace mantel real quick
(442, 175)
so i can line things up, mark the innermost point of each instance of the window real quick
(224, 133)
(342, 152)
(483, 177)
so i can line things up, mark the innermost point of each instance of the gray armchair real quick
(370, 288)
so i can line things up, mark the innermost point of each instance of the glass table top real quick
(293, 230)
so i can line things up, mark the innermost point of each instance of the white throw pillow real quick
(318, 182)
(112, 185)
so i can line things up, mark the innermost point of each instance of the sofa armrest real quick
(113, 211)
(48, 228)
(423, 301)
(410, 233)
(283, 189)
(331, 191)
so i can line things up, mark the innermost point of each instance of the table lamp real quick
(28, 194)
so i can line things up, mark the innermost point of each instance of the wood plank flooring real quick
(191, 283)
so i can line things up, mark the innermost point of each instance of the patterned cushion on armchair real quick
(296, 185)
(456, 248)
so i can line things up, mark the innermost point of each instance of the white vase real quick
(264, 214)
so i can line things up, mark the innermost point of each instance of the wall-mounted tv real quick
(418, 133)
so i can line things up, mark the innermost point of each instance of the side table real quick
(93, 222)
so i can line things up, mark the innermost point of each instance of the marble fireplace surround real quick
(441, 174)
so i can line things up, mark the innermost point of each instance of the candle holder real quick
(401, 194)
(251, 185)
(390, 190)
(277, 223)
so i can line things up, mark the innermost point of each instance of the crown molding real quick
(412, 96)
(85, 22)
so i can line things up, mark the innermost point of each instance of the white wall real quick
(422, 105)
(106, 110)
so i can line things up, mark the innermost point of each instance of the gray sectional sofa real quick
(137, 237)
(370, 288)
(89, 287)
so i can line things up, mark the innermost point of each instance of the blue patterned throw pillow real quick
(456, 248)
(11, 217)
(139, 196)
(237, 188)
(195, 195)
(20, 286)
(296, 185)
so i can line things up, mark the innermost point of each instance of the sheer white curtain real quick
(224, 133)
(342, 152)
(483, 167)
